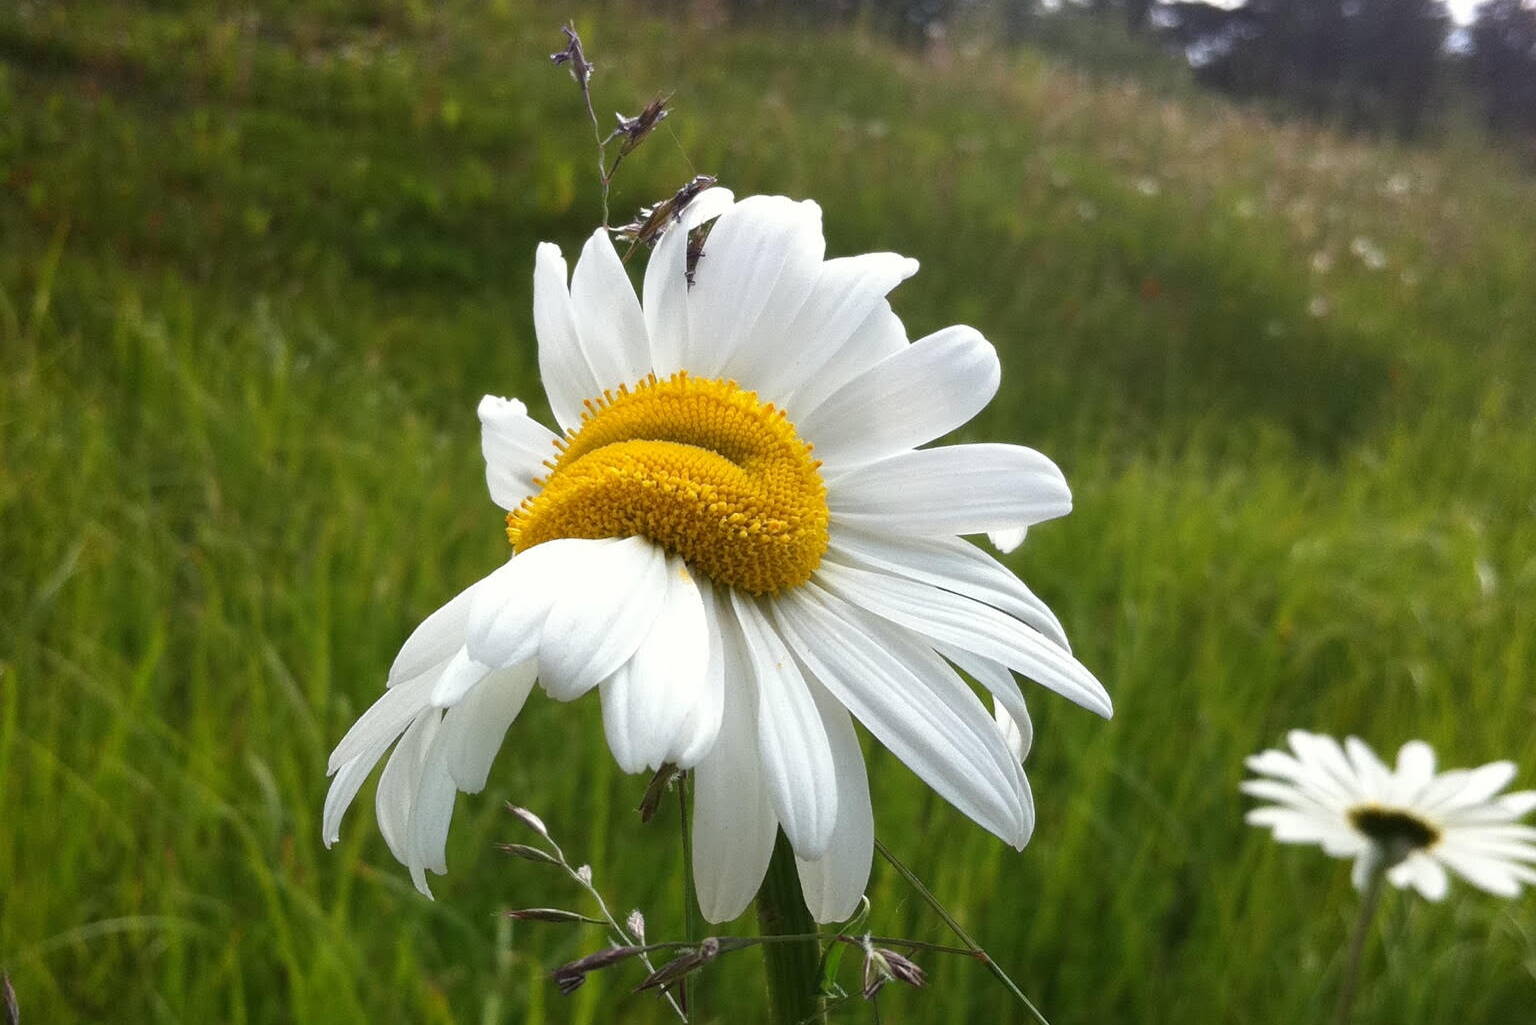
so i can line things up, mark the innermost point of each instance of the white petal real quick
(349, 779)
(1485, 873)
(431, 814)
(398, 784)
(733, 821)
(506, 618)
(384, 721)
(1415, 768)
(1475, 787)
(879, 334)
(762, 254)
(605, 606)
(1323, 759)
(515, 448)
(1020, 734)
(833, 883)
(955, 489)
(914, 704)
(1006, 541)
(608, 317)
(1429, 877)
(477, 725)
(1372, 772)
(908, 399)
(702, 725)
(1010, 712)
(456, 679)
(953, 564)
(959, 622)
(791, 740)
(648, 701)
(436, 640)
(567, 376)
(844, 326)
(666, 283)
(1290, 825)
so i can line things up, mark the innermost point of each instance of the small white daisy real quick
(1411, 822)
(736, 540)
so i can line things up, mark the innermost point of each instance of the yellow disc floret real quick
(699, 466)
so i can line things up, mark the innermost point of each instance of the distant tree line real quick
(1374, 65)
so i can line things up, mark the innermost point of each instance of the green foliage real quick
(258, 268)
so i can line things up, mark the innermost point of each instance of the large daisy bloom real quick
(1410, 820)
(735, 539)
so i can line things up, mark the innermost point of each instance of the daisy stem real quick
(688, 995)
(1349, 983)
(791, 965)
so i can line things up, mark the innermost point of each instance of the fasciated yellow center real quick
(699, 466)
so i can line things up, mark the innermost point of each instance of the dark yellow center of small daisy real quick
(700, 467)
(1393, 828)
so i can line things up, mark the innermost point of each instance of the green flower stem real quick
(1369, 900)
(791, 966)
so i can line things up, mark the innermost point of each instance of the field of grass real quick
(255, 271)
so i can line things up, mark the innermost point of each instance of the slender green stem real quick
(688, 993)
(791, 966)
(1349, 982)
(955, 927)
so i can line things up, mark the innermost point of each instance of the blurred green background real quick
(257, 268)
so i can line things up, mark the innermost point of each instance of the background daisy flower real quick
(1410, 821)
(736, 540)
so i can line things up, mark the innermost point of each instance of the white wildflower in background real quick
(1410, 822)
(735, 540)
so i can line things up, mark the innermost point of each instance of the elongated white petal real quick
(955, 489)
(567, 376)
(1369, 769)
(734, 825)
(1485, 873)
(914, 704)
(647, 702)
(436, 640)
(384, 721)
(877, 334)
(1415, 768)
(515, 447)
(506, 618)
(430, 815)
(907, 399)
(1009, 710)
(666, 282)
(1429, 877)
(833, 883)
(604, 607)
(758, 265)
(348, 780)
(608, 316)
(456, 679)
(396, 794)
(791, 740)
(953, 564)
(476, 726)
(702, 725)
(959, 622)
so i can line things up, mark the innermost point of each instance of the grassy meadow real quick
(256, 270)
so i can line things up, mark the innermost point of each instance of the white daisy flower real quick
(735, 539)
(1411, 821)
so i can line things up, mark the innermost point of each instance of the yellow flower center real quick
(700, 467)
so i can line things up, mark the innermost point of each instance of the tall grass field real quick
(256, 270)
